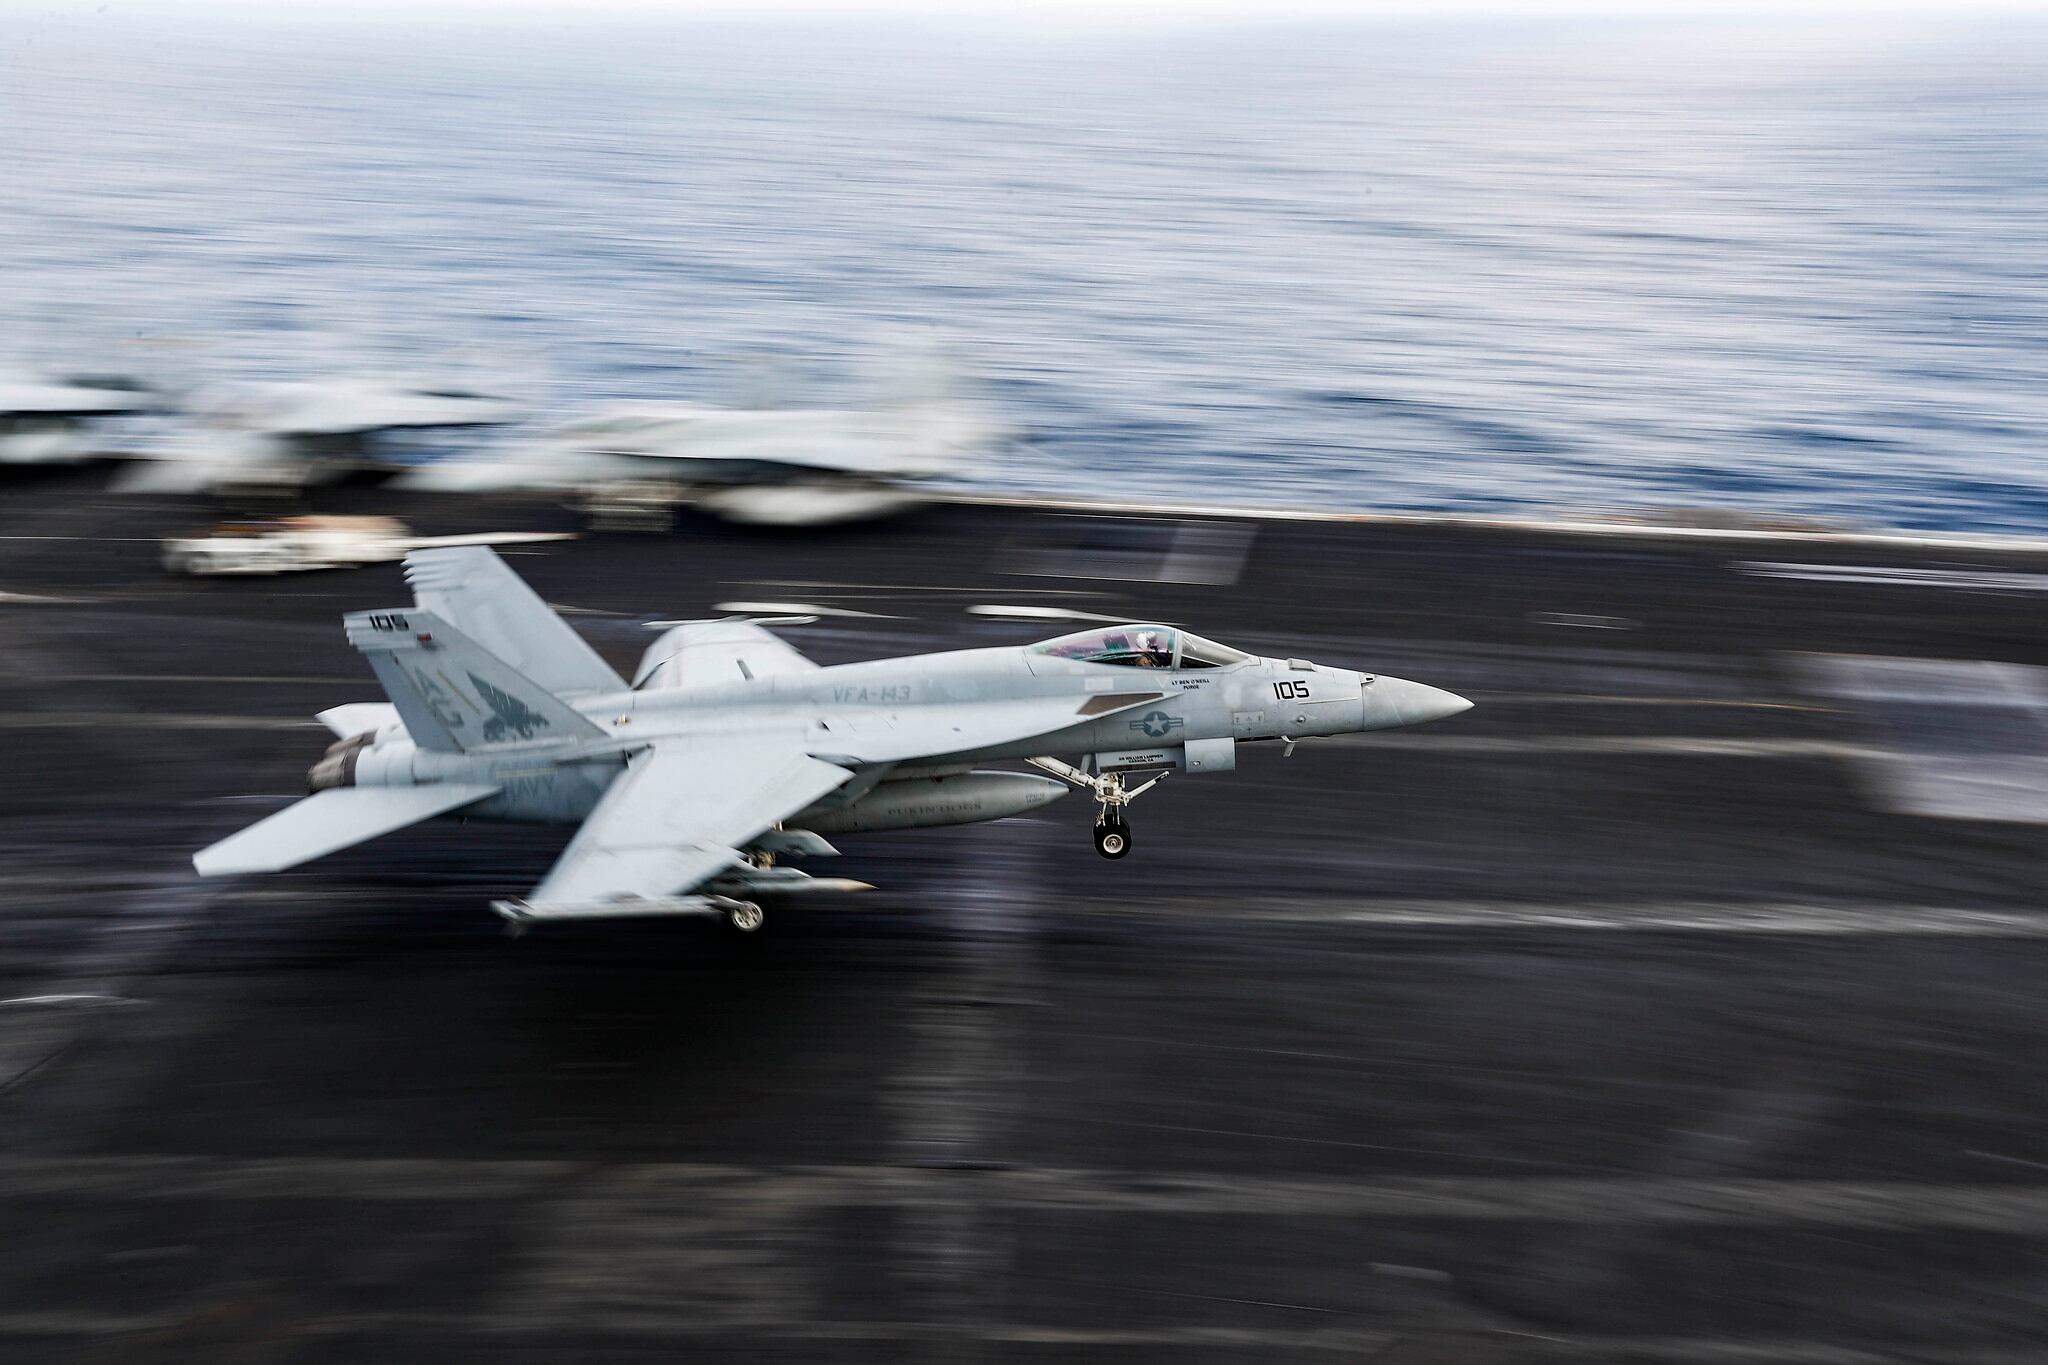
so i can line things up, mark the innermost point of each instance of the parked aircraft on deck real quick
(48, 419)
(291, 435)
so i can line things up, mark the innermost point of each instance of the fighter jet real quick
(789, 467)
(727, 749)
(770, 460)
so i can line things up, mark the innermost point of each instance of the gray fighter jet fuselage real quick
(728, 749)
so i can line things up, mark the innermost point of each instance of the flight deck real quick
(1682, 1002)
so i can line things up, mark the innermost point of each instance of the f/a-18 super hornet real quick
(728, 750)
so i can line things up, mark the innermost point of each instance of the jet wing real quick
(697, 653)
(674, 818)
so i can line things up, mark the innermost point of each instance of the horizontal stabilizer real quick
(331, 821)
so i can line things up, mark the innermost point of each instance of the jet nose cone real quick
(1416, 702)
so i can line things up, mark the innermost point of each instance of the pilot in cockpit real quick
(1142, 647)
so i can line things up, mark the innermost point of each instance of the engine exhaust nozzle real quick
(337, 767)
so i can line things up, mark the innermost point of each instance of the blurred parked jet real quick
(46, 420)
(766, 463)
(295, 435)
(307, 544)
(728, 748)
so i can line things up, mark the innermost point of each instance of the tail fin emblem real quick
(508, 714)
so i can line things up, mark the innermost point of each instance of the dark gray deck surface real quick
(1637, 1015)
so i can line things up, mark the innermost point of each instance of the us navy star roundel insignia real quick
(1157, 724)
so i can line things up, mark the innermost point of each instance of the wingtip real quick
(209, 862)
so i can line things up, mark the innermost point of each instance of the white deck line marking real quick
(1620, 699)
(998, 611)
(68, 998)
(1968, 580)
(1903, 540)
(1685, 746)
(795, 609)
(1666, 916)
(1583, 621)
(314, 679)
(147, 720)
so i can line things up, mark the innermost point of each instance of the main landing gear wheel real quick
(745, 917)
(1113, 840)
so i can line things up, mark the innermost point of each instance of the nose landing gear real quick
(1112, 829)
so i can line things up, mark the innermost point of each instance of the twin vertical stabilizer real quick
(472, 589)
(454, 695)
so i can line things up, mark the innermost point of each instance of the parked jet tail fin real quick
(451, 692)
(330, 821)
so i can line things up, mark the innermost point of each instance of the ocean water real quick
(1795, 269)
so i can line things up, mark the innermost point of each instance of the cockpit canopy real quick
(1142, 647)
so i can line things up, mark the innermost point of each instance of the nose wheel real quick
(1112, 798)
(1113, 836)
